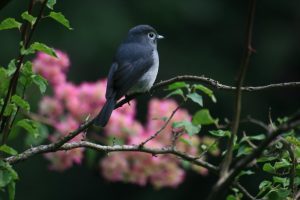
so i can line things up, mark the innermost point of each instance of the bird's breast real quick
(147, 80)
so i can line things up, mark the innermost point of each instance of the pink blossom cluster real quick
(71, 104)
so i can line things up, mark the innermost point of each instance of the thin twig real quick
(238, 97)
(244, 191)
(162, 128)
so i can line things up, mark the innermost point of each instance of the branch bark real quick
(72, 145)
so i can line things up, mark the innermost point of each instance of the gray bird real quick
(134, 68)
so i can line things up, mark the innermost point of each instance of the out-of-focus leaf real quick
(267, 167)
(28, 17)
(20, 102)
(220, 133)
(59, 17)
(11, 190)
(41, 82)
(10, 23)
(177, 85)
(203, 117)
(51, 3)
(189, 127)
(244, 150)
(8, 150)
(11, 67)
(44, 48)
(30, 126)
(195, 97)
(31, 140)
(176, 92)
(206, 90)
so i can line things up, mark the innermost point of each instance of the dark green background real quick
(203, 37)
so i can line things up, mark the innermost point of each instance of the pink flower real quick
(51, 107)
(51, 68)
(62, 160)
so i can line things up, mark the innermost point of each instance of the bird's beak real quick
(160, 37)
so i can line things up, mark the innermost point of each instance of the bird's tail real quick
(105, 113)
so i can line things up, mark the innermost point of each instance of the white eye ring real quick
(151, 35)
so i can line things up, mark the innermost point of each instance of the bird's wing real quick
(131, 63)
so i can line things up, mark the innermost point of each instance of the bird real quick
(133, 70)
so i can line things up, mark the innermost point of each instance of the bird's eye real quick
(151, 35)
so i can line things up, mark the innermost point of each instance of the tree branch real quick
(72, 145)
(213, 84)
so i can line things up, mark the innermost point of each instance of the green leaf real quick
(31, 140)
(30, 126)
(203, 117)
(267, 167)
(231, 197)
(10, 23)
(4, 81)
(244, 150)
(28, 17)
(281, 180)
(44, 48)
(195, 97)
(254, 137)
(264, 185)
(10, 109)
(293, 140)
(185, 141)
(177, 85)
(7, 174)
(11, 190)
(20, 102)
(175, 92)
(279, 194)
(27, 51)
(205, 90)
(220, 133)
(51, 3)
(11, 67)
(41, 82)
(8, 150)
(190, 128)
(282, 164)
(59, 17)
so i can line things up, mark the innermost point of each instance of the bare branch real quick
(238, 97)
(212, 83)
(245, 191)
(72, 145)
